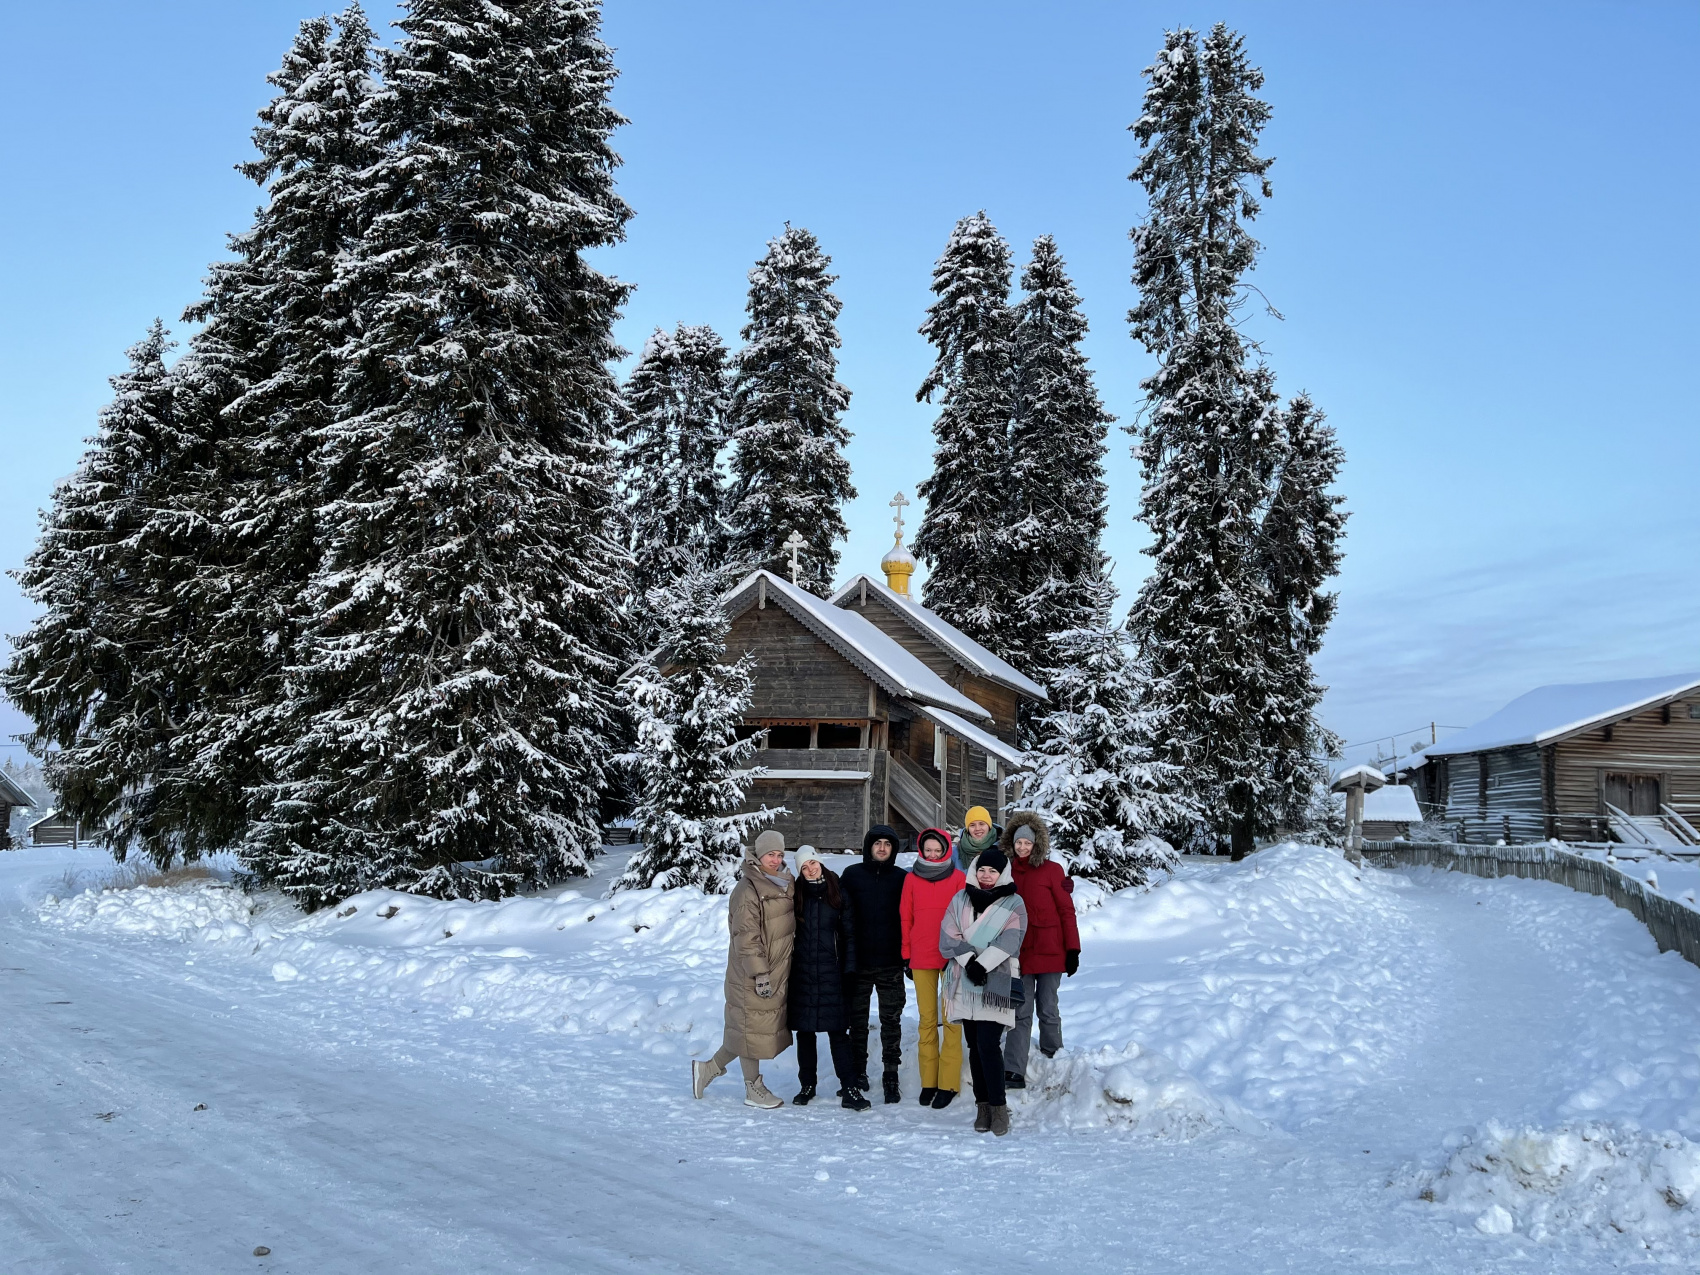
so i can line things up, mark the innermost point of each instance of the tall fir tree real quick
(1097, 774)
(450, 707)
(1212, 446)
(789, 471)
(1057, 497)
(100, 672)
(261, 372)
(967, 504)
(1301, 551)
(691, 767)
(676, 403)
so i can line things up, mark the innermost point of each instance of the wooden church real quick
(876, 710)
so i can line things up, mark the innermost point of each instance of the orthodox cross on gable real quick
(898, 502)
(796, 544)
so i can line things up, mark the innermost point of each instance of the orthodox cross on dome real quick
(796, 544)
(898, 502)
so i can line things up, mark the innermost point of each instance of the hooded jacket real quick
(824, 952)
(922, 911)
(761, 919)
(876, 896)
(1046, 890)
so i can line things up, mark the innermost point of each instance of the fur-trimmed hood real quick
(1016, 819)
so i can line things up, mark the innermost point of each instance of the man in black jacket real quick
(875, 887)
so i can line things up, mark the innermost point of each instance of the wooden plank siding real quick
(797, 675)
(826, 815)
(996, 699)
(906, 635)
(1497, 794)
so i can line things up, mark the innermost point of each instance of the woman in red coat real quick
(927, 892)
(1052, 946)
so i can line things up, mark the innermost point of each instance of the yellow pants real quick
(940, 1068)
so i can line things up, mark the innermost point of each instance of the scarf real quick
(933, 869)
(984, 843)
(781, 882)
(980, 900)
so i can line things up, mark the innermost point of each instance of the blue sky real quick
(1481, 241)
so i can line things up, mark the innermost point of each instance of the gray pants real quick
(1041, 990)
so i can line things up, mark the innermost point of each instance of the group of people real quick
(983, 924)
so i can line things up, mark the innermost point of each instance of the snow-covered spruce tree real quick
(451, 702)
(100, 671)
(261, 372)
(676, 401)
(1211, 443)
(1096, 773)
(1300, 552)
(1055, 491)
(789, 472)
(690, 764)
(967, 504)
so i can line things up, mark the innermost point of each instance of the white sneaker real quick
(757, 1094)
(701, 1073)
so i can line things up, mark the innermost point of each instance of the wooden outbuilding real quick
(54, 829)
(876, 709)
(12, 797)
(1587, 762)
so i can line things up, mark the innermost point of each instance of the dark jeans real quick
(985, 1059)
(838, 1042)
(858, 988)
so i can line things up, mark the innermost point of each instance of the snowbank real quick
(1594, 1178)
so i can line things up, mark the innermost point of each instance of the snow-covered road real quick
(1270, 1066)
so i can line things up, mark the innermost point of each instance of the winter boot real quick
(853, 1100)
(892, 1092)
(1049, 1053)
(860, 1083)
(943, 1098)
(805, 1095)
(757, 1094)
(1000, 1119)
(703, 1070)
(927, 1097)
(982, 1117)
(1013, 1081)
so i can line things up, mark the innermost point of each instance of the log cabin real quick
(1589, 762)
(876, 710)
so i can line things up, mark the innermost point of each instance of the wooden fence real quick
(1674, 926)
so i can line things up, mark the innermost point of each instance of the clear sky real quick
(1482, 242)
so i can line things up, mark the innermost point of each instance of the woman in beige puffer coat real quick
(762, 920)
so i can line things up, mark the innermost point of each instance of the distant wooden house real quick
(1617, 760)
(12, 797)
(876, 710)
(1389, 813)
(54, 829)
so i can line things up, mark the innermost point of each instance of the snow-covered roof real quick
(981, 739)
(11, 794)
(1393, 804)
(952, 640)
(1550, 713)
(1369, 776)
(1405, 765)
(51, 814)
(858, 640)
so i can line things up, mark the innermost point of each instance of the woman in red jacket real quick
(1051, 948)
(927, 892)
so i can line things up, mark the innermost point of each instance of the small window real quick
(839, 735)
(1694, 712)
(788, 736)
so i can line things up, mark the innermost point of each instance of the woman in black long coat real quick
(822, 953)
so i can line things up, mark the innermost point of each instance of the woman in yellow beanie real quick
(978, 834)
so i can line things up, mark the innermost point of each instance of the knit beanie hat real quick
(993, 858)
(770, 841)
(1024, 833)
(976, 814)
(804, 854)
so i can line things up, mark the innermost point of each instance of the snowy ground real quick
(1271, 1066)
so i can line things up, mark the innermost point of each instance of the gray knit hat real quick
(768, 842)
(1024, 833)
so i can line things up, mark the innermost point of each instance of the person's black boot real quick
(942, 1099)
(860, 1083)
(892, 1092)
(853, 1100)
(927, 1097)
(1013, 1081)
(805, 1095)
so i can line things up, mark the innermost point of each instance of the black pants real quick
(985, 1059)
(858, 987)
(838, 1042)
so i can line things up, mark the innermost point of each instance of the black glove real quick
(1071, 961)
(975, 971)
(907, 972)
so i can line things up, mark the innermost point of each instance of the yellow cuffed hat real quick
(976, 812)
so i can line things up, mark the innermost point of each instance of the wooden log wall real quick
(825, 814)
(1645, 744)
(1497, 795)
(797, 675)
